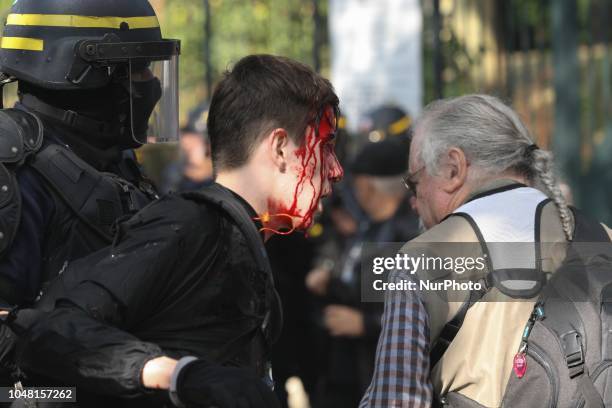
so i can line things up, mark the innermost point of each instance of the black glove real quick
(200, 384)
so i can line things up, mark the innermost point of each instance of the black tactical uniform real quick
(66, 171)
(182, 279)
(60, 218)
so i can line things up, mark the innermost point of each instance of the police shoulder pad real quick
(10, 208)
(21, 134)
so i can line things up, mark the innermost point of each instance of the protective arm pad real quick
(69, 345)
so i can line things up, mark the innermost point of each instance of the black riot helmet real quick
(386, 122)
(110, 47)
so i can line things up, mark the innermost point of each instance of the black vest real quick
(87, 202)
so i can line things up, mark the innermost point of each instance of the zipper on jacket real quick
(540, 356)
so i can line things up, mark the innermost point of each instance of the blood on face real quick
(317, 164)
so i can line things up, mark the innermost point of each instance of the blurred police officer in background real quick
(89, 78)
(343, 212)
(196, 159)
(192, 169)
(353, 325)
(385, 122)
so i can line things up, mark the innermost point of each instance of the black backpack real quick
(566, 346)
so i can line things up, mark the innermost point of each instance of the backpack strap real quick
(81, 187)
(224, 200)
(564, 321)
(494, 278)
(450, 329)
(589, 392)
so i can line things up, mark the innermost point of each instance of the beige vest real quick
(479, 361)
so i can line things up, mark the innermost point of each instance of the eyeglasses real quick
(410, 180)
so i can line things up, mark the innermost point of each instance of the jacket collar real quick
(494, 187)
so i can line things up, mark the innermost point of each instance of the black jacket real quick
(69, 195)
(179, 280)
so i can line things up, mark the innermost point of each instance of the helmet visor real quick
(162, 88)
(152, 80)
(153, 89)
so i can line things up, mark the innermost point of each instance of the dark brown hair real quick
(261, 93)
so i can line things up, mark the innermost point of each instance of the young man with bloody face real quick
(282, 145)
(178, 302)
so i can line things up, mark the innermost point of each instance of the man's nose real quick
(413, 204)
(336, 172)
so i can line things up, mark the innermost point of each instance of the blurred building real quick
(376, 55)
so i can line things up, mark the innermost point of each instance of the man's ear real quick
(456, 170)
(278, 141)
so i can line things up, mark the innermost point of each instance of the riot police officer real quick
(95, 80)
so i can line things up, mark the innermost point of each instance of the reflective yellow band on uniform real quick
(400, 126)
(60, 20)
(20, 43)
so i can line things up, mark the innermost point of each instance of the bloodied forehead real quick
(326, 122)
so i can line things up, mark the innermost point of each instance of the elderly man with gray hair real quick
(478, 178)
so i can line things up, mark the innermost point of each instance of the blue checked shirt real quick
(401, 375)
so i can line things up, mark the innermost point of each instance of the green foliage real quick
(5, 5)
(239, 28)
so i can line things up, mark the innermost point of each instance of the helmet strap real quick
(67, 117)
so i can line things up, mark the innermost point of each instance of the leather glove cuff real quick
(174, 380)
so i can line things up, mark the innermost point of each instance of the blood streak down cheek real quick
(282, 216)
(317, 142)
(308, 157)
(316, 148)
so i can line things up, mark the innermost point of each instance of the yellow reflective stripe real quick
(316, 230)
(400, 125)
(60, 20)
(20, 43)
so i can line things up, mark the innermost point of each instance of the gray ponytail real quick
(545, 180)
(494, 140)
